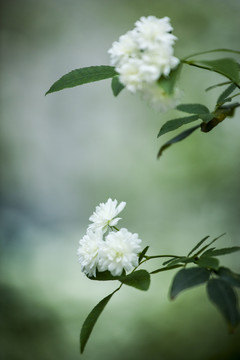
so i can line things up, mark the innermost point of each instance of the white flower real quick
(135, 73)
(152, 31)
(123, 49)
(144, 54)
(119, 252)
(105, 215)
(88, 252)
(160, 100)
(162, 58)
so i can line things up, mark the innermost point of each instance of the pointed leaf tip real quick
(193, 108)
(183, 135)
(225, 299)
(82, 76)
(116, 85)
(176, 123)
(91, 320)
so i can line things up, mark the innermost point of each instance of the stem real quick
(211, 51)
(235, 95)
(165, 268)
(217, 85)
(191, 63)
(114, 227)
(161, 256)
(118, 288)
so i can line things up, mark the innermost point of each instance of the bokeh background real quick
(63, 154)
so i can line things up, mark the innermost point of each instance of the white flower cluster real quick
(116, 252)
(144, 54)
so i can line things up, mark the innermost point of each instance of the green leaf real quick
(117, 86)
(187, 278)
(91, 321)
(229, 276)
(139, 279)
(141, 255)
(224, 297)
(198, 245)
(183, 260)
(165, 268)
(217, 85)
(193, 108)
(105, 276)
(168, 83)
(170, 260)
(208, 262)
(225, 66)
(206, 246)
(223, 251)
(176, 123)
(226, 93)
(82, 76)
(177, 138)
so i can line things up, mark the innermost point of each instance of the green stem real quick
(114, 227)
(161, 256)
(211, 51)
(217, 85)
(165, 268)
(192, 63)
(234, 96)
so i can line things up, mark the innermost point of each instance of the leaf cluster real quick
(220, 281)
(226, 67)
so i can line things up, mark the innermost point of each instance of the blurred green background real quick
(63, 154)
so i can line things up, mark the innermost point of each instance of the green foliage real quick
(117, 87)
(82, 76)
(183, 135)
(180, 260)
(176, 123)
(198, 245)
(208, 262)
(220, 280)
(168, 83)
(139, 279)
(193, 108)
(226, 93)
(225, 66)
(229, 276)
(223, 296)
(206, 246)
(165, 268)
(217, 85)
(187, 278)
(142, 254)
(212, 51)
(91, 321)
(224, 251)
(104, 276)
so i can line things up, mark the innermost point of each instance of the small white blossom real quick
(123, 49)
(153, 32)
(144, 54)
(105, 215)
(160, 100)
(162, 58)
(119, 252)
(88, 252)
(135, 73)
